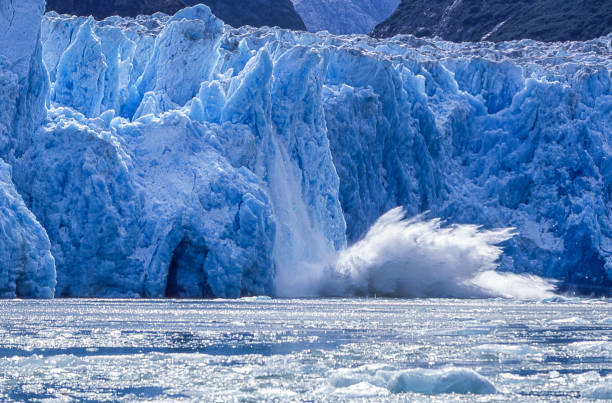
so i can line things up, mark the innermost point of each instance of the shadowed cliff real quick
(237, 13)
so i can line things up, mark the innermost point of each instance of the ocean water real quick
(259, 349)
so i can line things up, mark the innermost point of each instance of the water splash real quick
(515, 286)
(419, 258)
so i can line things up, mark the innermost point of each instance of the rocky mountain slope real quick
(500, 20)
(344, 16)
(257, 13)
(103, 9)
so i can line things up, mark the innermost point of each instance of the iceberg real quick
(178, 156)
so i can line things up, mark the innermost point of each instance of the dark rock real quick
(500, 20)
(234, 12)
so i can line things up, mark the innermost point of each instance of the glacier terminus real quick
(176, 156)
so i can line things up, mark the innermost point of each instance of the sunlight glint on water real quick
(333, 350)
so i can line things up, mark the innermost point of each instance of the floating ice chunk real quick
(594, 348)
(433, 382)
(371, 378)
(606, 321)
(601, 392)
(508, 352)
(573, 321)
(259, 298)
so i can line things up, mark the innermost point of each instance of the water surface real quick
(334, 350)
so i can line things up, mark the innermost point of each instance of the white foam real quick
(257, 298)
(606, 321)
(514, 286)
(573, 321)
(500, 352)
(597, 348)
(416, 258)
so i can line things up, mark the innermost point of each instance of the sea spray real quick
(420, 258)
(515, 286)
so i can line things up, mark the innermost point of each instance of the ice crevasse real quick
(177, 156)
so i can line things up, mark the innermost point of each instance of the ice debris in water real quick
(177, 156)
(371, 379)
(602, 392)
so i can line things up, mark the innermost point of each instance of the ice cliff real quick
(27, 268)
(178, 156)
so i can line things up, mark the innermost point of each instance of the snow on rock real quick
(182, 157)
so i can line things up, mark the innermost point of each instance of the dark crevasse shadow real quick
(186, 275)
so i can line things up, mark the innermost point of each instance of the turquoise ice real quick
(177, 156)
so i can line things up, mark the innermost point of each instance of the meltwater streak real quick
(419, 258)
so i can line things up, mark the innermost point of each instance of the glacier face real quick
(182, 157)
(27, 268)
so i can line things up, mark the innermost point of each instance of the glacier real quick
(178, 156)
(27, 267)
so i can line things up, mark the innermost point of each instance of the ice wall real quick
(202, 160)
(183, 187)
(27, 267)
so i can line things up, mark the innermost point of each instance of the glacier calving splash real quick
(177, 156)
